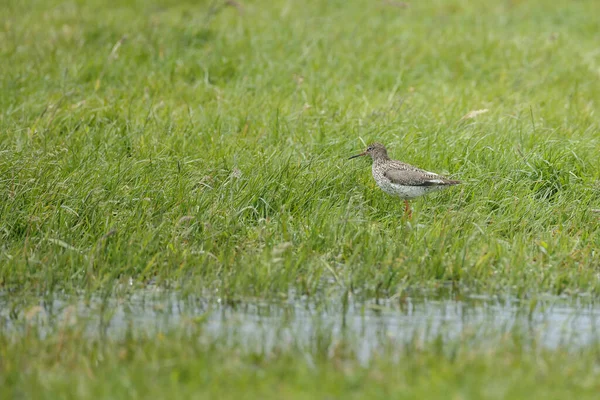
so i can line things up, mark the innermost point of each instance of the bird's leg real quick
(407, 210)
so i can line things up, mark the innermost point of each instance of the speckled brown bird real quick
(400, 179)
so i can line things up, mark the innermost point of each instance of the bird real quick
(400, 179)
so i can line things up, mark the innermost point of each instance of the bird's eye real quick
(369, 148)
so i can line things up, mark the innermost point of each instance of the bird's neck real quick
(380, 160)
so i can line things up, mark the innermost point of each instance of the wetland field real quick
(179, 217)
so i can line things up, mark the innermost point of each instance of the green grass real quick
(70, 365)
(163, 140)
(205, 148)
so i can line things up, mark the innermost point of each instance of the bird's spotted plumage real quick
(400, 179)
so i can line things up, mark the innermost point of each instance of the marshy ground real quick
(178, 216)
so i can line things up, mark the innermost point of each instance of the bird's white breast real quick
(405, 192)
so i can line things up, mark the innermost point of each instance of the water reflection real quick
(369, 326)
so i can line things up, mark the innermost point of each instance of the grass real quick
(70, 365)
(165, 140)
(203, 146)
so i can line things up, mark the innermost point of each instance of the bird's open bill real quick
(358, 155)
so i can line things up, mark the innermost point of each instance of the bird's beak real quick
(358, 155)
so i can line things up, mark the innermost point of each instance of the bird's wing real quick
(407, 177)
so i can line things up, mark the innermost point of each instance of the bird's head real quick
(375, 150)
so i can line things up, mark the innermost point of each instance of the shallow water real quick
(369, 327)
